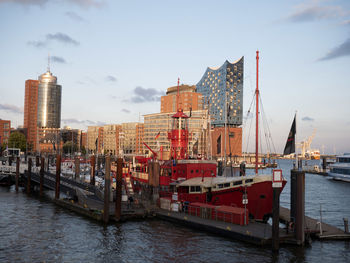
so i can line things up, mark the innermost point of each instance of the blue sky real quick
(114, 59)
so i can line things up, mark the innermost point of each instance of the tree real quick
(17, 140)
(67, 147)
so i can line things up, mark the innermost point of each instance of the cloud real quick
(88, 3)
(37, 44)
(83, 122)
(314, 10)
(11, 108)
(125, 110)
(341, 51)
(346, 22)
(80, 3)
(26, 2)
(59, 37)
(111, 78)
(145, 95)
(306, 118)
(63, 38)
(58, 59)
(74, 16)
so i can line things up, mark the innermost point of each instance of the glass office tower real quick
(49, 101)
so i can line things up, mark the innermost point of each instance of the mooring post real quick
(118, 200)
(93, 164)
(299, 205)
(17, 172)
(42, 176)
(107, 190)
(58, 176)
(277, 180)
(77, 168)
(29, 177)
(275, 219)
(346, 225)
(37, 164)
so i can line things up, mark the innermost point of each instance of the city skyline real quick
(115, 59)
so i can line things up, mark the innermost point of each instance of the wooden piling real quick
(275, 219)
(58, 176)
(17, 172)
(298, 177)
(77, 168)
(107, 190)
(118, 200)
(37, 163)
(29, 177)
(92, 164)
(42, 176)
(346, 225)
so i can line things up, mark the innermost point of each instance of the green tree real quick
(67, 147)
(17, 140)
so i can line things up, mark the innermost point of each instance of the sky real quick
(114, 59)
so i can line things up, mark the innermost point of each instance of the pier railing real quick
(216, 214)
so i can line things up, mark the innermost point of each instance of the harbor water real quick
(34, 230)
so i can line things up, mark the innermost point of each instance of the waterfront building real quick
(71, 135)
(233, 142)
(128, 138)
(222, 89)
(95, 139)
(189, 99)
(30, 113)
(140, 128)
(83, 140)
(111, 138)
(5, 131)
(157, 126)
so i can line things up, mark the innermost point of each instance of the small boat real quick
(340, 170)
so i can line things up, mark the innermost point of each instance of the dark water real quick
(32, 230)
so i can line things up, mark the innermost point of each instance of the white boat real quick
(340, 170)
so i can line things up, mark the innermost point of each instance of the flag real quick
(290, 145)
(218, 145)
(157, 136)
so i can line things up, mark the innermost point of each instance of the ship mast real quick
(257, 114)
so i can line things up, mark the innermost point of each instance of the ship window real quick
(227, 185)
(191, 171)
(195, 189)
(237, 183)
(197, 171)
(220, 186)
(248, 181)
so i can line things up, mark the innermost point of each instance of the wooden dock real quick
(312, 226)
(254, 233)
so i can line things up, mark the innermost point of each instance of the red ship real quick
(196, 181)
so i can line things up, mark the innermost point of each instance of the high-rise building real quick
(30, 113)
(5, 131)
(222, 89)
(49, 101)
(188, 98)
(95, 139)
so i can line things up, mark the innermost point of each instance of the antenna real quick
(48, 62)
(178, 94)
